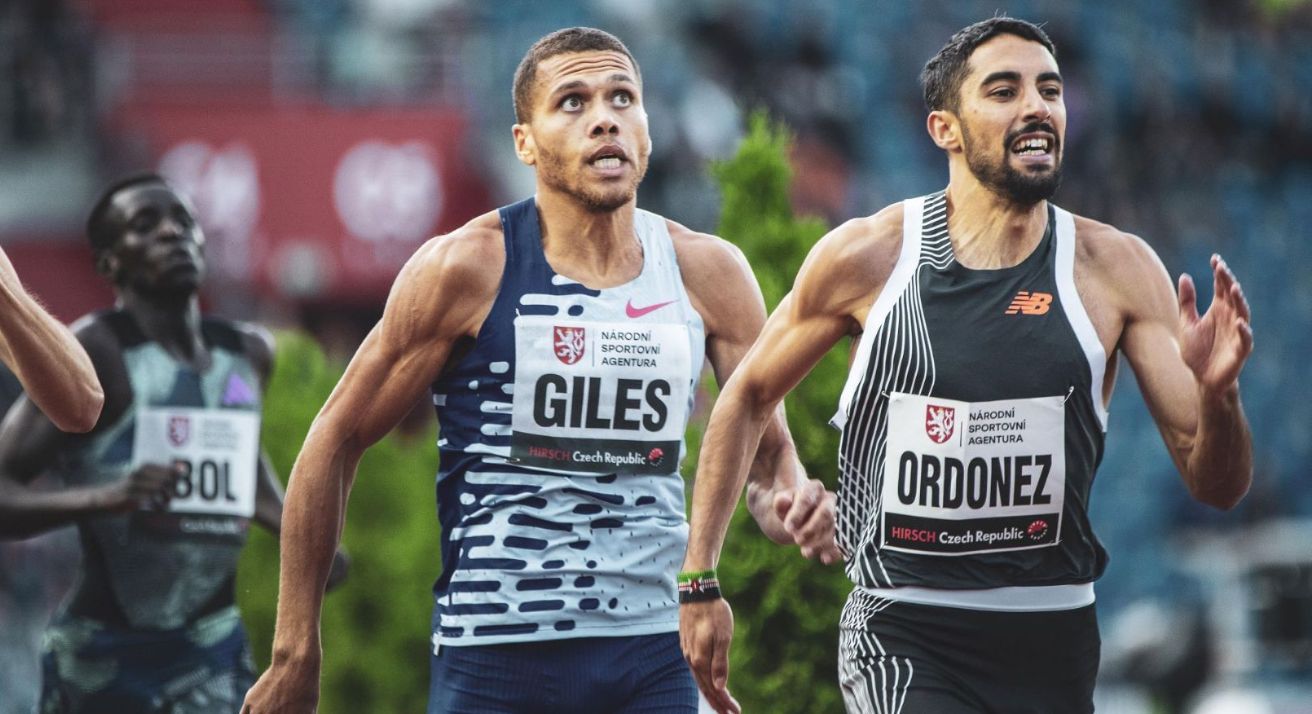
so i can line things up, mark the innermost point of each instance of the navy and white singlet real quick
(559, 496)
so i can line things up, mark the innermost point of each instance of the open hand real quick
(1216, 345)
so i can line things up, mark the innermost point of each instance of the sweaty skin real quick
(586, 106)
(1187, 366)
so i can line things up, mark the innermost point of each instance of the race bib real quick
(218, 448)
(599, 397)
(963, 478)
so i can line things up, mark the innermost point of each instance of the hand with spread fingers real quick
(705, 632)
(1215, 345)
(808, 515)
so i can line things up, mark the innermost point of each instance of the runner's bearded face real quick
(160, 249)
(1013, 119)
(589, 128)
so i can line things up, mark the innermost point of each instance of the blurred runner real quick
(162, 489)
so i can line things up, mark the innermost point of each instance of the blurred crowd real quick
(1190, 124)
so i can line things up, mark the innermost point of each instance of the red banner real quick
(313, 202)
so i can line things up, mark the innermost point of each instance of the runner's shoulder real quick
(448, 285)
(851, 260)
(101, 334)
(1113, 254)
(703, 255)
(1106, 245)
(469, 258)
(250, 339)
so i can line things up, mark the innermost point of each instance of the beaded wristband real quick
(698, 586)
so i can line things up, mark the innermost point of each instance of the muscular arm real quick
(442, 295)
(1187, 366)
(54, 369)
(829, 299)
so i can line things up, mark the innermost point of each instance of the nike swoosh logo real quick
(635, 312)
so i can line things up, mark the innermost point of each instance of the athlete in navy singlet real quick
(162, 489)
(562, 338)
(986, 323)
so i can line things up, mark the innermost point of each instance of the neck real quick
(987, 230)
(172, 320)
(597, 248)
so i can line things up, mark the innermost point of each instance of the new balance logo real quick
(1028, 303)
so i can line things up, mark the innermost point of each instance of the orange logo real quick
(1028, 303)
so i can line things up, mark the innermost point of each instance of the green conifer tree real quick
(786, 608)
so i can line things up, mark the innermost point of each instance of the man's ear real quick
(525, 147)
(107, 264)
(945, 129)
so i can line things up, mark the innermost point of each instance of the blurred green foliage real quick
(375, 627)
(786, 608)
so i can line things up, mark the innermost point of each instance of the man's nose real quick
(1037, 108)
(604, 122)
(172, 229)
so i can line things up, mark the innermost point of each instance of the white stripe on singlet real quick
(1075, 312)
(1008, 599)
(907, 262)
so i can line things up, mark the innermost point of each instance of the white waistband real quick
(1008, 599)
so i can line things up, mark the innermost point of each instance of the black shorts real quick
(901, 657)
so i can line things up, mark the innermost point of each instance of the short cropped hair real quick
(99, 231)
(560, 42)
(943, 74)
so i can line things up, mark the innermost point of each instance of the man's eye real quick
(1004, 93)
(571, 102)
(623, 99)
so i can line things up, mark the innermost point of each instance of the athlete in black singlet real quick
(162, 489)
(986, 323)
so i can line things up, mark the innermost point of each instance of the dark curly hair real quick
(944, 72)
